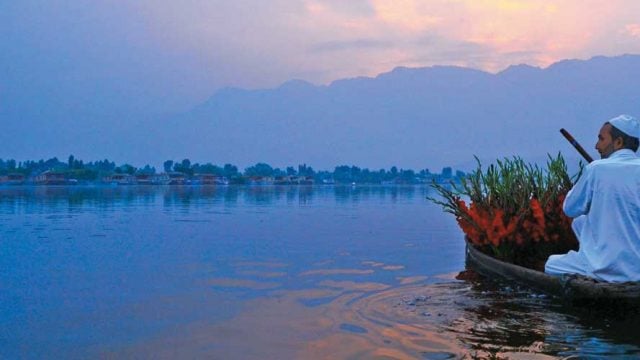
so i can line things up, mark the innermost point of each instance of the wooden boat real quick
(575, 288)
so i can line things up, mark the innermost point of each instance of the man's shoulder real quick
(598, 164)
(629, 162)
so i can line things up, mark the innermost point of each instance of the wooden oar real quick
(576, 145)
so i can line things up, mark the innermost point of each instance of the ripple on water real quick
(485, 320)
(349, 320)
(353, 328)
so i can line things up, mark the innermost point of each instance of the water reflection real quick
(12, 198)
(355, 194)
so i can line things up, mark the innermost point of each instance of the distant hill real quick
(412, 117)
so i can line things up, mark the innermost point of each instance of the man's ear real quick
(618, 143)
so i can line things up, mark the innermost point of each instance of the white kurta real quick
(605, 203)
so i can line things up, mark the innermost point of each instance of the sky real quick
(107, 61)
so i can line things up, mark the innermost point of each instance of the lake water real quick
(264, 273)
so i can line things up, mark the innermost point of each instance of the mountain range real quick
(412, 117)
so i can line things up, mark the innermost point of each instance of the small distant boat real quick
(575, 288)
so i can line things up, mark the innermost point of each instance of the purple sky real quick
(74, 63)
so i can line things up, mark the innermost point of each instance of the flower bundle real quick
(514, 209)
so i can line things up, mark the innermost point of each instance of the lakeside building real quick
(120, 179)
(160, 179)
(209, 179)
(293, 180)
(144, 179)
(12, 179)
(64, 176)
(177, 178)
(261, 180)
(50, 177)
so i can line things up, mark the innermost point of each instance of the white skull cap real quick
(627, 124)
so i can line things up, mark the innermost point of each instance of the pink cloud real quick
(633, 30)
(323, 40)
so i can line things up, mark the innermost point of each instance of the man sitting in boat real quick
(605, 205)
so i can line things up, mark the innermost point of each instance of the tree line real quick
(96, 170)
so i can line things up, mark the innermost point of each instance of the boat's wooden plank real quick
(488, 265)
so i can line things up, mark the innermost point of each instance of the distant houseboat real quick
(221, 180)
(282, 180)
(305, 180)
(209, 179)
(261, 180)
(204, 179)
(121, 179)
(160, 179)
(12, 179)
(293, 180)
(144, 179)
(177, 178)
(50, 177)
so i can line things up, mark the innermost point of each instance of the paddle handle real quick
(575, 144)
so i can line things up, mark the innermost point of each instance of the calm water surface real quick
(264, 273)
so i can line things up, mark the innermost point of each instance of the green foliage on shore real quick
(77, 169)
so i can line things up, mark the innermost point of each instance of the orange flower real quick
(496, 231)
(467, 227)
(537, 212)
